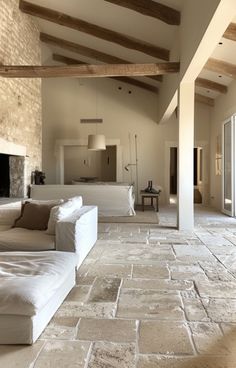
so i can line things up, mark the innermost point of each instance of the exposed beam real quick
(208, 84)
(67, 60)
(205, 100)
(94, 30)
(230, 32)
(87, 71)
(86, 51)
(152, 9)
(221, 67)
(133, 82)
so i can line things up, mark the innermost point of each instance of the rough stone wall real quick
(20, 99)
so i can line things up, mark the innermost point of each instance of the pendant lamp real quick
(96, 142)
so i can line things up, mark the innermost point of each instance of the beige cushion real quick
(58, 213)
(18, 239)
(34, 216)
(54, 202)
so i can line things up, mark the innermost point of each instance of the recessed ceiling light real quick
(208, 91)
(220, 76)
(220, 43)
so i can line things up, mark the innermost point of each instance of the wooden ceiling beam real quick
(133, 82)
(86, 51)
(93, 30)
(208, 84)
(205, 100)
(221, 67)
(152, 9)
(67, 60)
(88, 71)
(230, 32)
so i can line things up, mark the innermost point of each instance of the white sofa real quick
(112, 199)
(33, 286)
(75, 233)
(39, 271)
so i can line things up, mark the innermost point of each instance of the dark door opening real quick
(197, 164)
(173, 170)
(4, 176)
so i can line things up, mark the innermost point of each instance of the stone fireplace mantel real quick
(10, 148)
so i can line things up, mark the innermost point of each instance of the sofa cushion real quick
(60, 212)
(29, 280)
(23, 239)
(34, 216)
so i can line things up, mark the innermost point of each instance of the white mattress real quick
(21, 239)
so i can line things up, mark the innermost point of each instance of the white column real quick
(185, 156)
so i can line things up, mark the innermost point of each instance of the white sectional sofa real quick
(112, 199)
(33, 286)
(37, 267)
(76, 233)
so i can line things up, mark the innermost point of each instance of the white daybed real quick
(112, 199)
(33, 286)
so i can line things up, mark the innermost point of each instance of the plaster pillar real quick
(185, 156)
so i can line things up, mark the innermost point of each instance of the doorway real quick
(229, 167)
(197, 174)
(79, 163)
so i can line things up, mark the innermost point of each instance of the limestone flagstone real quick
(104, 290)
(220, 310)
(150, 304)
(209, 339)
(146, 361)
(61, 354)
(159, 271)
(167, 338)
(216, 289)
(115, 330)
(109, 355)
(157, 284)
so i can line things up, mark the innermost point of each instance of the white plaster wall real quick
(225, 107)
(66, 101)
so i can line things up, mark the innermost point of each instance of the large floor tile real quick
(61, 354)
(109, 355)
(19, 356)
(135, 303)
(115, 330)
(168, 338)
(193, 362)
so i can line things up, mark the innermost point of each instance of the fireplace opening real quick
(4, 176)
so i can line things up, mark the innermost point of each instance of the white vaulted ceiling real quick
(132, 24)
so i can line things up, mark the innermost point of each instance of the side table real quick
(151, 196)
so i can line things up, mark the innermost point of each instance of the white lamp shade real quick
(96, 142)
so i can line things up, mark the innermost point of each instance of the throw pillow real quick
(54, 202)
(58, 213)
(34, 216)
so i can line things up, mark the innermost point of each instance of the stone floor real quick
(147, 296)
